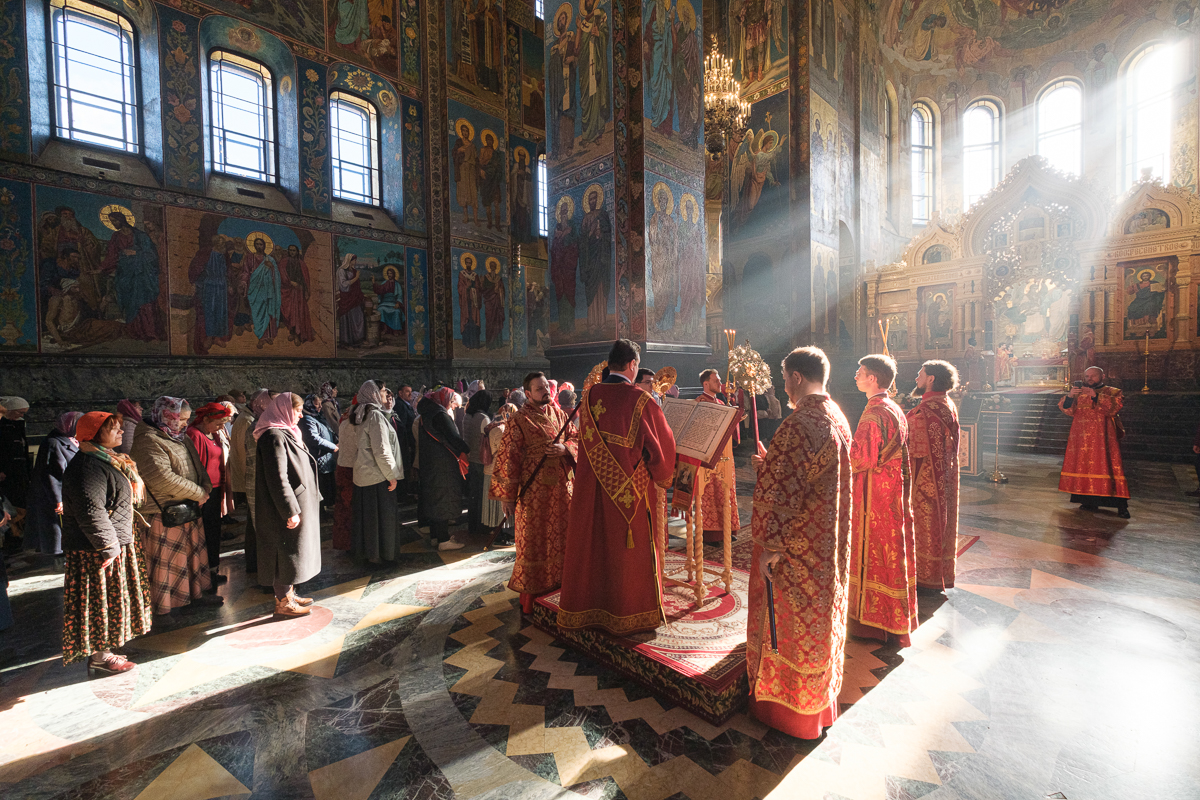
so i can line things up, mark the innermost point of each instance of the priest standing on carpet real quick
(612, 577)
(1092, 470)
(541, 514)
(714, 507)
(801, 531)
(933, 460)
(883, 559)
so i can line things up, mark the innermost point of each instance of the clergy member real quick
(933, 461)
(714, 507)
(801, 531)
(883, 562)
(540, 515)
(1092, 470)
(612, 577)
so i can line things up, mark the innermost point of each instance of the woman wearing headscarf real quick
(492, 516)
(330, 407)
(167, 461)
(441, 480)
(474, 421)
(517, 398)
(344, 478)
(322, 442)
(377, 468)
(258, 405)
(43, 526)
(131, 415)
(288, 506)
(106, 600)
(205, 434)
(14, 452)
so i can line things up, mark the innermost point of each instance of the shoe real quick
(450, 544)
(287, 607)
(298, 600)
(208, 600)
(110, 664)
(218, 579)
(1123, 513)
(1192, 494)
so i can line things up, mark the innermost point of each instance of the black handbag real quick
(181, 512)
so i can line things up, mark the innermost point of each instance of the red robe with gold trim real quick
(883, 562)
(933, 461)
(802, 505)
(1092, 465)
(612, 574)
(712, 508)
(542, 514)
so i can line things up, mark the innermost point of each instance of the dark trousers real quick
(211, 516)
(475, 498)
(1198, 466)
(328, 483)
(439, 530)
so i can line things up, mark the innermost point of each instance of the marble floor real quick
(1063, 665)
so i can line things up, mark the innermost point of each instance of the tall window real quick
(355, 149)
(889, 183)
(1060, 125)
(543, 197)
(922, 135)
(243, 117)
(95, 75)
(1148, 87)
(981, 149)
(539, 8)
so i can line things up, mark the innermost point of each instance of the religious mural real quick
(758, 40)
(824, 293)
(896, 326)
(1145, 292)
(673, 104)
(675, 261)
(242, 287)
(365, 32)
(475, 48)
(824, 157)
(1033, 315)
(936, 304)
(481, 304)
(757, 197)
(18, 281)
(373, 302)
(582, 264)
(579, 83)
(478, 174)
(1152, 219)
(538, 295)
(101, 273)
(522, 183)
(410, 42)
(533, 80)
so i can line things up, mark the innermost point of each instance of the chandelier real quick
(724, 111)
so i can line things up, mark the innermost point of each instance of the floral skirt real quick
(178, 563)
(103, 607)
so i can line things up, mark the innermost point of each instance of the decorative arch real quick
(381, 93)
(1179, 207)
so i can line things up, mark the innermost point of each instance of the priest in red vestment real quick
(1092, 470)
(883, 558)
(801, 529)
(540, 515)
(716, 504)
(933, 464)
(612, 575)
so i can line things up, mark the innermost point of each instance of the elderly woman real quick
(131, 412)
(105, 598)
(492, 516)
(43, 526)
(378, 467)
(212, 449)
(322, 442)
(177, 487)
(14, 453)
(441, 479)
(288, 506)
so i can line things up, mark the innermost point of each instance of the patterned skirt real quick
(103, 607)
(178, 563)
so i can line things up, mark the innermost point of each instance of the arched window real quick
(888, 142)
(543, 197)
(242, 99)
(981, 149)
(1147, 94)
(1060, 125)
(922, 136)
(95, 76)
(355, 128)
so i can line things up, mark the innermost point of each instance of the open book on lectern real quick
(701, 429)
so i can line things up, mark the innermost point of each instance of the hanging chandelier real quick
(724, 111)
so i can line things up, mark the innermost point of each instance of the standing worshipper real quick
(131, 415)
(438, 447)
(1092, 471)
(612, 578)
(541, 515)
(492, 517)
(406, 415)
(713, 506)
(14, 453)
(883, 558)
(344, 479)
(322, 443)
(517, 398)
(174, 545)
(933, 459)
(213, 456)
(43, 526)
(243, 427)
(288, 506)
(475, 420)
(258, 406)
(329, 404)
(801, 531)
(378, 467)
(106, 599)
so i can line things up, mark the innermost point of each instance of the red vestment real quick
(294, 299)
(883, 562)
(713, 506)
(542, 513)
(1092, 465)
(933, 460)
(612, 574)
(802, 506)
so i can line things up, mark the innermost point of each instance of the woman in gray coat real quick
(378, 466)
(287, 505)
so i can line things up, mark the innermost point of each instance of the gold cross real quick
(598, 409)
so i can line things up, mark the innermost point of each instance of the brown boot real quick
(288, 607)
(300, 601)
